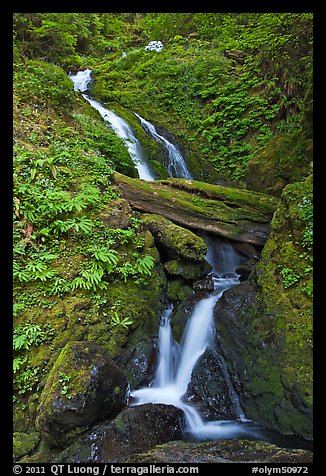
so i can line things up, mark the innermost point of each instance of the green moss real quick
(288, 309)
(185, 243)
(236, 214)
(178, 291)
(281, 161)
(24, 443)
(187, 270)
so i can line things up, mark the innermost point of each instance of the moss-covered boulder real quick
(229, 451)
(117, 214)
(186, 269)
(83, 386)
(265, 324)
(177, 241)
(24, 443)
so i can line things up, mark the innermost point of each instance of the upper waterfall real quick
(81, 82)
(176, 166)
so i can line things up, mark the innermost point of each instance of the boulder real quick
(246, 269)
(117, 214)
(84, 386)
(177, 241)
(247, 251)
(187, 270)
(210, 388)
(229, 451)
(134, 430)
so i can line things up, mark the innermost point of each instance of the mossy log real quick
(236, 214)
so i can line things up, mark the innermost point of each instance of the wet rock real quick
(83, 386)
(204, 285)
(178, 291)
(187, 270)
(229, 451)
(139, 362)
(247, 250)
(229, 275)
(134, 430)
(209, 389)
(246, 269)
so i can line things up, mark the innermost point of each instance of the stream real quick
(177, 362)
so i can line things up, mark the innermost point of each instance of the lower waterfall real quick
(176, 362)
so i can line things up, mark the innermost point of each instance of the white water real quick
(177, 167)
(175, 364)
(81, 82)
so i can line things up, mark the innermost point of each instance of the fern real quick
(127, 269)
(35, 267)
(144, 265)
(20, 274)
(43, 275)
(79, 282)
(93, 277)
(80, 224)
(103, 254)
(59, 287)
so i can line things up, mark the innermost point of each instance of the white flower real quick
(154, 46)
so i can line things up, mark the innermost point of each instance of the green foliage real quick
(64, 380)
(116, 319)
(306, 214)
(104, 255)
(289, 277)
(144, 265)
(24, 337)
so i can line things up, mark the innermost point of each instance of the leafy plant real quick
(289, 277)
(64, 380)
(116, 319)
(145, 265)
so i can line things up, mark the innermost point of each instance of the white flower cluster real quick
(154, 46)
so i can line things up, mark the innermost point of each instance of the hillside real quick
(100, 254)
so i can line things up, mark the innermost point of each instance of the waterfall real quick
(81, 82)
(175, 364)
(176, 167)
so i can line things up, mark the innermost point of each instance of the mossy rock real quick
(283, 160)
(135, 429)
(187, 270)
(117, 214)
(230, 451)
(178, 290)
(24, 443)
(265, 324)
(83, 386)
(177, 241)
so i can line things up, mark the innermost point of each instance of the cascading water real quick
(81, 82)
(176, 167)
(176, 363)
